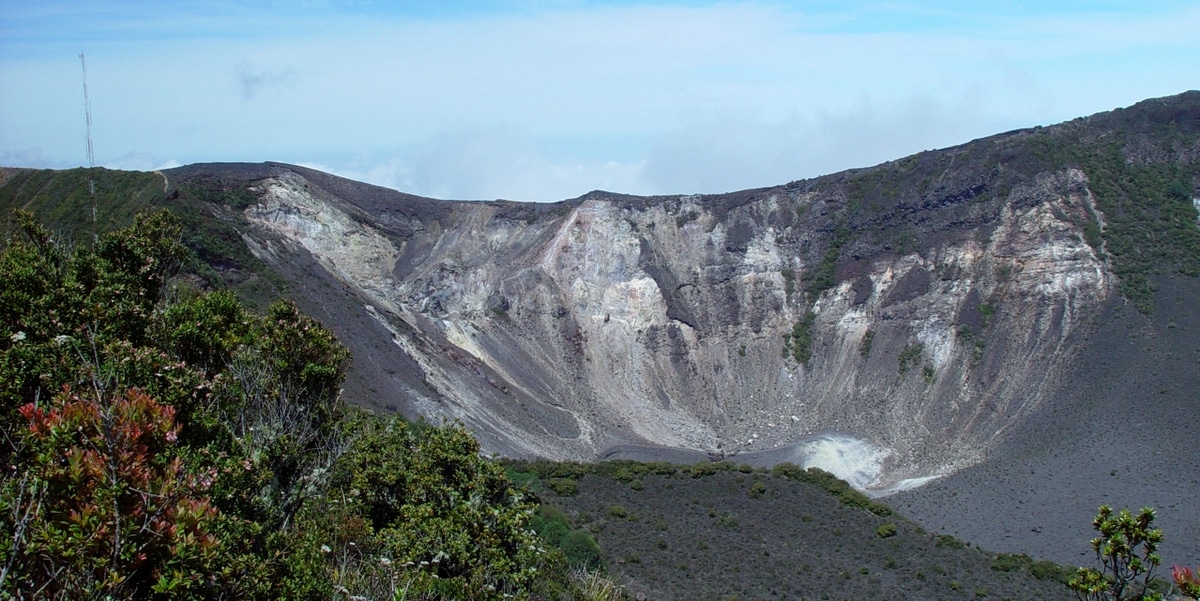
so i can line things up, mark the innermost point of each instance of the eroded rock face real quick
(613, 321)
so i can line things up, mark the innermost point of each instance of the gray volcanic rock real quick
(612, 323)
(1000, 335)
(1121, 430)
(893, 325)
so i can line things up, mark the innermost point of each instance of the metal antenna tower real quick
(87, 108)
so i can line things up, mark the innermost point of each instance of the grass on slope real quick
(63, 201)
(209, 209)
(720, 531)
(1150, 220)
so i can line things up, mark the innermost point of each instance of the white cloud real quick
(724, 152)
(487, 164)
(547, 104)
(140, 161)
(32, 157)
(252, 81)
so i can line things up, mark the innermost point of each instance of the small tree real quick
(1126, 551)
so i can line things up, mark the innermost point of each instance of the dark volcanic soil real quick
(715, 537)
(1123, 431)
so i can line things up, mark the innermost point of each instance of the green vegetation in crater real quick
(864, 346)
(910, 356)
(825, 275)
(730, 530)
(799, 342)
(1149, 220)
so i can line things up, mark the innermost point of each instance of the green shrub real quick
(111, 509)
(1048, 570)
(581, 550)
(662, 468)
(853, 498)
(946, 540)
(410, 482)
(910, 356)
(1126, 549)
(1010, 562)
(887, 530)
(550, 524)
(864, 346)
(520, 479)
(757, 489)
(800, 340)
(563, 486)
(789, 470)
(618, 511)
(699, 470)
(253, 401)
(832, 484)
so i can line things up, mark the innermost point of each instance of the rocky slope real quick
(1121, 431)
(663, 324)
(891, 324)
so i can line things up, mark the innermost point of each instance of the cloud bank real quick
(533, 103)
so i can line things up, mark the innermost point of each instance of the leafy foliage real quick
(800, 340)
(109, 510)
(433, 502)
(163, 442)
(834, 485)
(864, 346)
(1126, 551)
(554, 528)
(825, 275)
(1187, 581)
(910, 356)
(59, 305)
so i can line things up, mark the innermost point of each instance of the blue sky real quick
(547, 100)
